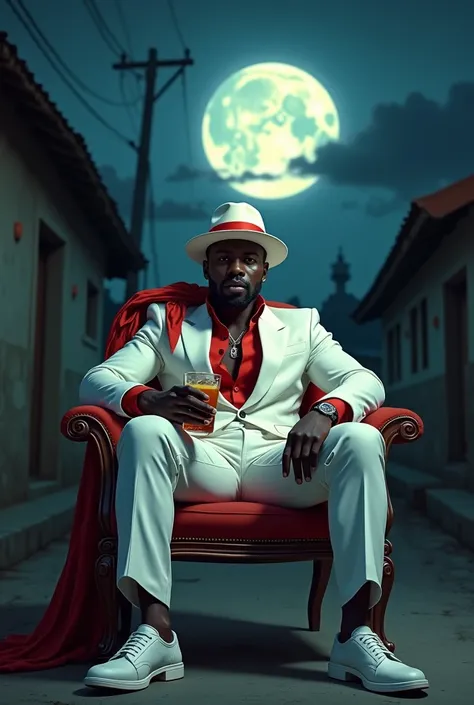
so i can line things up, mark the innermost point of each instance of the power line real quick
(187, 118)
(103, 28)
(152, 64)
(152, 207)
(106, 33)
(124, 25)
(176, 24)
(138, 78)
(65, 80)
(132, 118)
(183, 79)
(74, 77)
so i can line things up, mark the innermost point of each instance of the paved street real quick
(242, 629)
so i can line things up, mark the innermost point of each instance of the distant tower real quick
(340, 273)
(363, 342)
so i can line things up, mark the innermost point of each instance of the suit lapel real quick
(273, 337)
(196, 333)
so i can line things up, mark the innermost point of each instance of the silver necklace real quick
(234, 343)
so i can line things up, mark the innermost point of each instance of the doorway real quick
(456, 352)
(46, 379)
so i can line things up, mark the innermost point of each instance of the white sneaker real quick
(365, 656)
(144, 656)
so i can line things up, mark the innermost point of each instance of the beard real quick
(223, 298)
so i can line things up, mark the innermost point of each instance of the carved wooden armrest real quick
(101, 429)
(87, 422)
(396, 425)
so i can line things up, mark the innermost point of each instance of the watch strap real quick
(333, 415)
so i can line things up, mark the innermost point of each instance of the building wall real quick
(30, 193)
(425, 390)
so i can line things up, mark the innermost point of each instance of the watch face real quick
(327, 408)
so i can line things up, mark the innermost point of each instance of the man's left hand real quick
(303, 445)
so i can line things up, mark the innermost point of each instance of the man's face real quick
(235, 270)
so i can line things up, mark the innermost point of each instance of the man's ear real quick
(205, 269)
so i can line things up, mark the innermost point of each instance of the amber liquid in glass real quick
(212, 392)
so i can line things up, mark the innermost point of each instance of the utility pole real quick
(151, 67)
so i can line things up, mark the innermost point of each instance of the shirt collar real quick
(258, 310)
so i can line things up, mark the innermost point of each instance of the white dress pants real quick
(160, 463)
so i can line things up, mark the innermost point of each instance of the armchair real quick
(236, 532)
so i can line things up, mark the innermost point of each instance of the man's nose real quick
(236, 267)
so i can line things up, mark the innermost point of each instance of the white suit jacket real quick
(296, 350)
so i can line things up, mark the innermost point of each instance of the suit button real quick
(242, 414)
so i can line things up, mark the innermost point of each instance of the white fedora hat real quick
(237, 221)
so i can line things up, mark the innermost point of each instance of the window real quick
(424, 334)
(394, 354)
(414, 339)
(92, 311)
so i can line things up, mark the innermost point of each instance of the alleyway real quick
(243, 632)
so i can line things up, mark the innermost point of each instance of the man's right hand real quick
(178, 405)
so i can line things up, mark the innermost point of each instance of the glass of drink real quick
(210, 385)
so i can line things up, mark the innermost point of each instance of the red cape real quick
(73, 623)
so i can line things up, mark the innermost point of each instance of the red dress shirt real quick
(236, 391)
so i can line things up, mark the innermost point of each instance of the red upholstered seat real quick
(249, 521)
(222, 532)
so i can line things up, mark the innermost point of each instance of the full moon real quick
(259, 120)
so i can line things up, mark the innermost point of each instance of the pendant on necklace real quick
(233, 352)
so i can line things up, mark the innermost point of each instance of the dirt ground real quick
(243, 632)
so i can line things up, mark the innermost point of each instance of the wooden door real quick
(38, 362)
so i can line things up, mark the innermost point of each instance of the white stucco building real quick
(424, 295)
(60, 235)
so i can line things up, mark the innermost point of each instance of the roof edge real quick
(434, 207)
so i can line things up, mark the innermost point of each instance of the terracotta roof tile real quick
(449, 199)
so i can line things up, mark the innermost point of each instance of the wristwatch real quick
(326, 409)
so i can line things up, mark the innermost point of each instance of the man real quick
(259, 450)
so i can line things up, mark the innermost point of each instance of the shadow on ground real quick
(208, 643)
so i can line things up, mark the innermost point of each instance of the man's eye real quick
(223, 259)
(250, 260)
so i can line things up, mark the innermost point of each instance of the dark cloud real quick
(249, 176)
(378, 207)
(408, 149)
(375, 206)
(121, 190)
(185, 173)
(171, 210)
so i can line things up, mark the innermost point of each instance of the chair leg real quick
(125, 613)
(319, 583)
(378, 612)
(105, 576)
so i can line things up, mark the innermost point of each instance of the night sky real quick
(400, 74)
